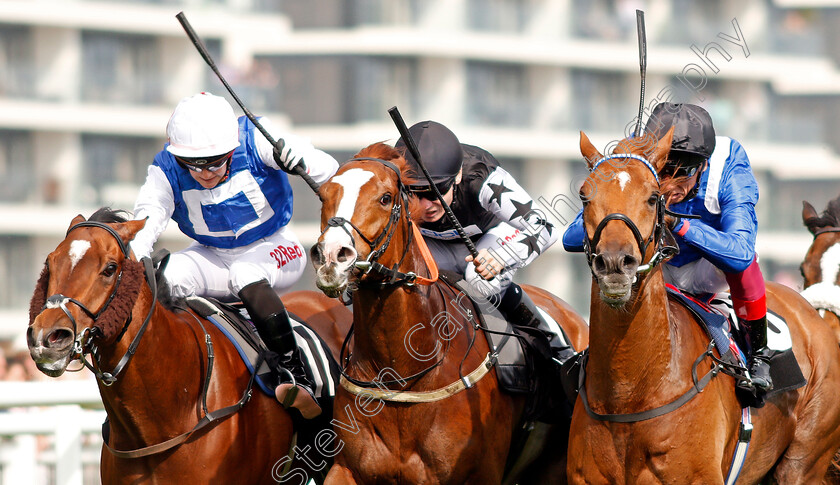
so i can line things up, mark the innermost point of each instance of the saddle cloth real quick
(511, 367)
(236, 325)
(718, 318)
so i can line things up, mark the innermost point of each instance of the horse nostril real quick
(599, 265)
(345, 254)
(58, 338)
(316, 254)
(630, 262)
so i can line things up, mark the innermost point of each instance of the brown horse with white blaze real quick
(644, 347)
(414, 346)
(821, 267)
(152, 364)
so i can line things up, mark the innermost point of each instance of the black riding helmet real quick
(440, 152)
(694, 133)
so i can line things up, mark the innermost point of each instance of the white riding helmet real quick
(202, 125)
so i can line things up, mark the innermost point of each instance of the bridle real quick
(665, 244)
(380, 243)
(83, 343)
(393, 277)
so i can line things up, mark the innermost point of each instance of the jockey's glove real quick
(286, 157)
(672, 222)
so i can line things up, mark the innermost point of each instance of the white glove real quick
(286, 158)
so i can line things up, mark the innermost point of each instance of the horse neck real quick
(632, 348)
(384, 317)
(141, 404)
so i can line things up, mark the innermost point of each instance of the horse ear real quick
(588, 150)
(662, 149)
(808, 213)
(127, 230)
(79, 218)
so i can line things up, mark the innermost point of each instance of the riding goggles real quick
(679, 170)
(199, 165)
(426, 192)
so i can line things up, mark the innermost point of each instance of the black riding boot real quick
(759, 354)
(521, 310)
(272, 322)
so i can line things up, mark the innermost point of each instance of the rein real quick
(825, 230)
(84, 342)
(696, 388)
(665, 244)
(394, 277)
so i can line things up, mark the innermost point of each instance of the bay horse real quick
(646, 350)
(821, 267)
(406, 416)
(92, 297)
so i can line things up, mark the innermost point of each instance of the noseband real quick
(61, 301)
(666, 245)
(83, 343)
(380, 243)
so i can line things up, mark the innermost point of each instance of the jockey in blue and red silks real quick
(709, 177)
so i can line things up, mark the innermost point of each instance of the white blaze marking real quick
(830, 264)
(623, 178)
(78, 249)
(352, 181)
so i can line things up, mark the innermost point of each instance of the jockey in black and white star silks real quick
(500, 217)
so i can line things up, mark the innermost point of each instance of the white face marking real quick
(830, 264)
(623, 178)
(352, 181)
(78, 249)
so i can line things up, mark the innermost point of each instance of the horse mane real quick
(829, 218)
(164, 291)
(108, 215)
(388, 153)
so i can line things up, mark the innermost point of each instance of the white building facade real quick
(86, 89)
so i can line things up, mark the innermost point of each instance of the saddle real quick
(234, 322)
(716, 315)
(512, 348)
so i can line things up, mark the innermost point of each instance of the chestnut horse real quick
(412, 419)
(645, 350)
(821, 268)
(92, 298)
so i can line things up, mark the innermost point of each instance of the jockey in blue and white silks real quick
(710, 176)
(724, 238)
(224, 184)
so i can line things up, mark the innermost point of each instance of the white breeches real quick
(222, 273)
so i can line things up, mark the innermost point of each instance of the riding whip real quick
(412, 147)
(299, 169)
(640, 30)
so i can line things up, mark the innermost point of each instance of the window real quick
(498, 15)
(17, 170)
(15, 271)
(604, 101)
(116, 167)
(16, 71)
(120, 68)
(367, 86)
(497, 95)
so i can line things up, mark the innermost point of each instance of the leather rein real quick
(84, 344)
(394, 277)
(665, 248)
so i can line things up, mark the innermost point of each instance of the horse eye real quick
(584, 199)
(653, 199)
(385, 199)
(109, 270)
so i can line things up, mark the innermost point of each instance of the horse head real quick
(86, 290)
(623, 213)
(822, 262)
(365, 206)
